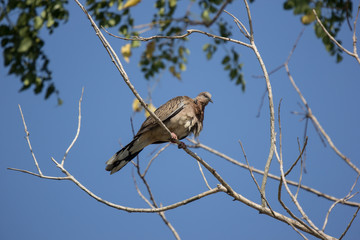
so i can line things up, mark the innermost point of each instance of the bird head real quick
(204, 98)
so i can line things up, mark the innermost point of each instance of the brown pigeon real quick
(181, 115)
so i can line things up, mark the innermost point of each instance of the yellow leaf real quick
(182, 67)
(308, 18)
(126, 52)
(131, 3)
(152, 108)
(173, 71)
(136, 105)
(150, 47)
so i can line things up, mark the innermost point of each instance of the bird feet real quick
(173, 140)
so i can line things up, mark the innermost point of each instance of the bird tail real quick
(125, 155)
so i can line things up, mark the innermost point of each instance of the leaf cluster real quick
(22, 21)
(332, 13)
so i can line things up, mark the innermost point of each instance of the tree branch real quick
(317, 124)
(272, 176)
(354, 53)
(28, 141)
(77, 132)
(188, 32)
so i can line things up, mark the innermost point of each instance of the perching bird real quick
(181, 115)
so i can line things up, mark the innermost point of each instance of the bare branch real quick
(271, 103)
(353, 54)
(78, 129)
(203, 175)
(39, 175)
(272, 176)
(347, 197)
(240, 25)
(153, 158)
(313, 228)
(354, 34)
(115, 59)
(298, 158)
(288, 209)
(139, 192)
(254, 179)
(301, 164)
(250, 21)
(161, 214)
(349, 225)
(317, 124)
(188, 32)
(28, 141)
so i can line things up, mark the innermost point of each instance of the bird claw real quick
(173, 139)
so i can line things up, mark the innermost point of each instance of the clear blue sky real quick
(43, 209)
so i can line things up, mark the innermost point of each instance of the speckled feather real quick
(181, 115)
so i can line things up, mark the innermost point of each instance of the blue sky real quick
(44, 209)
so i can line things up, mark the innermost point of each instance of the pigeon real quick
(181, 115)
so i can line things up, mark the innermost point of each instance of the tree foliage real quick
(22, 21)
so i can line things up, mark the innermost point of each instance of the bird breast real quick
(182, 124)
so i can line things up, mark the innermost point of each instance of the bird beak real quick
(211, 101)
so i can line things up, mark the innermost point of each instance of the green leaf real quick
(289, 4)
(4, 30)
(50, 21)
(23, 19)
(25, 44)
(205, 15)
(38, 22)
(50, 90)
(225, 60)
(135, 44)
(227, 67)
(172, 3)
(339, 58)
(60, 101)
(233, 73)
(4, 41)
(206, 46)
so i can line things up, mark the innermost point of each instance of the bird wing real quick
(165, 112)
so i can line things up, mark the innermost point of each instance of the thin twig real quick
(250, 21)
(317, 124)
(240, 25)
(28, 141)
(349, 225)
(301, 152)
(153, 158)
(139, 192)
(271, 103)
(77, 131)
(161, 214)
(346, 198)
(115, 59)
(203, 175)
(39, 175)
(353, 54)
(280, 159)
(332, 207)
(254, 179)
(298, 158)
(188, 32)
(272, 176)
(354, 34)
(314, 229)
(288, 209)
